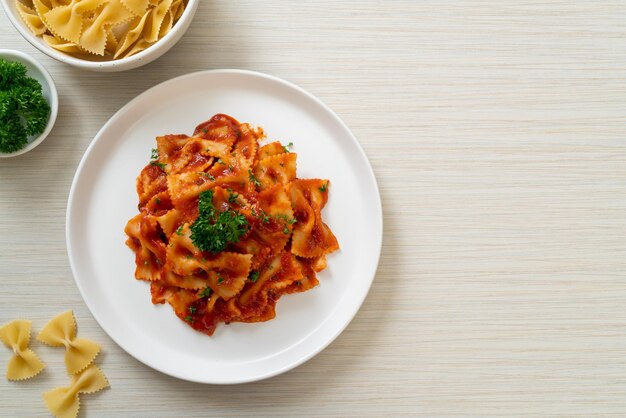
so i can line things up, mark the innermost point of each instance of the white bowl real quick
(35, 70)
(98, 63)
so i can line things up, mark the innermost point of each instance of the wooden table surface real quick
(497, 132)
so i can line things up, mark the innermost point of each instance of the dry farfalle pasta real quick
(65, 402)
(108, 28)
(61, 332)
(24, 364)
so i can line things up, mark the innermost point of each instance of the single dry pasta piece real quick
(31, 18)
(94, 35)
(62, 45)
(64, 402)
(200, 185)
(155, 19)
(61, 332)
(24, 364)
(67, 21)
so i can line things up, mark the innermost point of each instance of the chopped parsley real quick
(286, 147)
(220, 280)
(213, 230)
(254, 276)
(192, 309)
(157, 201)
(324, 187)
(253, 179)
(189, 318)
(261, 215)
(232, 196)
(206, 292)
(219, 161)
(287, 222)
(155, 154)
(207, 175)
(158, 164)
(179, 231)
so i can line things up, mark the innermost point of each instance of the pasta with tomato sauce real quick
(225, 227)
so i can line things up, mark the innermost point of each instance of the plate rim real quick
(246, 73)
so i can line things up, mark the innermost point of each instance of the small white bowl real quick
(100, 64)
(35, 70)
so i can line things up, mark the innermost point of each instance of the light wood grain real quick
(497, 131)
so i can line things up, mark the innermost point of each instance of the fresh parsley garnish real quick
(220, 280)
(232, 196)
(155, 154)
(192, 309)
(253, 179)
(189, 318)
(23, 109)
(286, 147)
(287, 222)
(254, 276)
(261, 215)
(158, 164)
(213, 230)
(324, 187)
(206, 292)
(179, 231)
(207, 175)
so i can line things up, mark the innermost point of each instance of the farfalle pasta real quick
(111, 29)
(64, 402)
(60, 331)
(24, 364)
(225, 227)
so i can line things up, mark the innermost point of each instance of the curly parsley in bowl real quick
(28, 103)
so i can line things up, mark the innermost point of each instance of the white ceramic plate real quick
(103, 198)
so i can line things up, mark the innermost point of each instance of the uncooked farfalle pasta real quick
(107, 28)
(24, 364)
(61, 332)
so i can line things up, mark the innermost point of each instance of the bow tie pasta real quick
(225, 227)
(111, 29)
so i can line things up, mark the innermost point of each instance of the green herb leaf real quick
(254, 276)
(155, 154)
(158, 164)
(212, 231)
(179, 231)
(220, 280)
(286, 147)
(324, 187)
(206, 292)
(253, 179)
(192, 309)
(189, 318)
(232, 196)
(207, 175)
